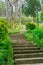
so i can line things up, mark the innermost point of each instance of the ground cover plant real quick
(6, 52)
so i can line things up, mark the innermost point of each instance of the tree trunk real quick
(6, 8)
(16, 9)
(2, 10)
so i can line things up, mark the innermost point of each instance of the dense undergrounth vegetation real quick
(6, 52)
(34, 35)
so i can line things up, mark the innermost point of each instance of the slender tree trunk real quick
(12, 12)
(6, 8)
(2, 9)
(20, 11)
(16, 9)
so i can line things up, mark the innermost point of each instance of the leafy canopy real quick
(31, 7)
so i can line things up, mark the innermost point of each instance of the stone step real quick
(31, 64)
(18, 39)
(21, 43)
(26, 48)
(24, 45)
(17, 35)
(29, 60)
(26, 51)
(31, 55)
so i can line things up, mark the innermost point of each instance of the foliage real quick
(14, 31)
(6, 54)
(30, 26)
(31, 7)
(41, 16)
(38, 36)
(38, 33)
(5, 21)
(19, 28)
(41, 25)
(28, 35)
(35, 36)
(25, 19)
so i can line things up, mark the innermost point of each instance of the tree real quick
(2, 8)
(31, 7)
(6, 8)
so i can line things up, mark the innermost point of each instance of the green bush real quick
(41, 16)
(6, 53)
(38, 33)
(41, 25)
(28, 35)
(35, 36)
(30, 26)
(38, 36)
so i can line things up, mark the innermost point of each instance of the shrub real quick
(28, 36)
(41, 16)
(38, 36)
(41, 25)
(35, 36)
(6, 54)
(38, 33)
(30, 26)
(4, 21)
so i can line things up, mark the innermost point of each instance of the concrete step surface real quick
(32, 55)
(29, 60)
(24, 45)
(26, 48)
(31, 64)
(27, 51)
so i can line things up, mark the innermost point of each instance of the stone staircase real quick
(25, 53)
